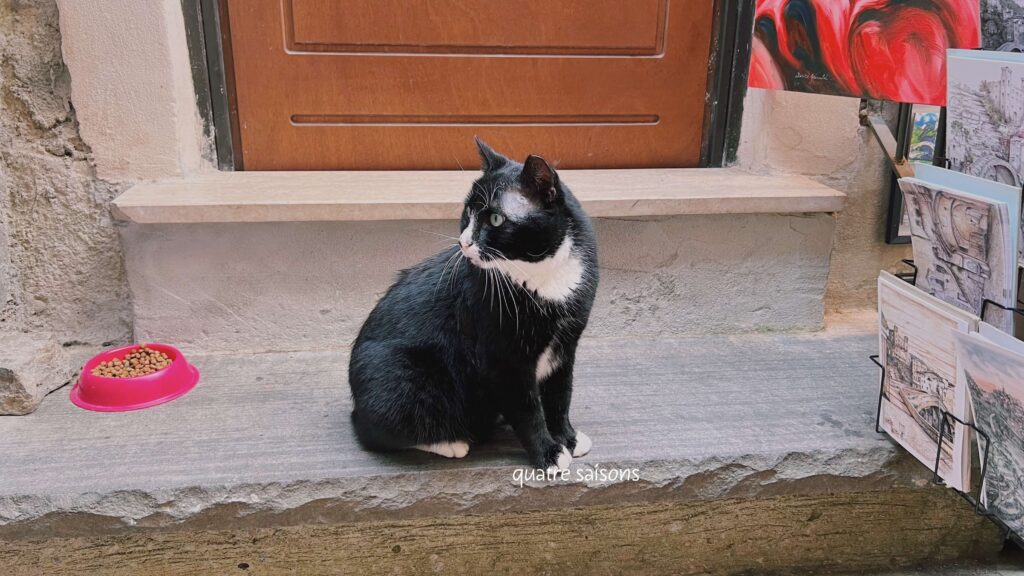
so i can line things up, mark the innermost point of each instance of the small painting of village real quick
(985, 119)
(995, 378)
(924, 133)
(917, 349)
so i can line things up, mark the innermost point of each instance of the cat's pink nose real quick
(465, 244)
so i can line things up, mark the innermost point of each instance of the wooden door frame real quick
(208, 36)
(209, 47)
(728, 67)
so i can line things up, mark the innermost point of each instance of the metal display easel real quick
(950, 420)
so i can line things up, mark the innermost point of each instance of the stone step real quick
(327, 196)
(295, 261)
(755, 454)
(310, 285)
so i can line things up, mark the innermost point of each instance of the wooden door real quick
(406, 84)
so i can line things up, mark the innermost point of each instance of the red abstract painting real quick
(882, 49)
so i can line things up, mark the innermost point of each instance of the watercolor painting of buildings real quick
(994, 377)
(917, 348)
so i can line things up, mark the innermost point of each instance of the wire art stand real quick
(950, 420)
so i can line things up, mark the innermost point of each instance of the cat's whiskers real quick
(488, 287)
(512, 298)
(440, 277)
(455, 270)
(506, 284)
(451, 259)
(488, 199)
(478, 190)
(501, 300)
(455, 238)
(501, 255)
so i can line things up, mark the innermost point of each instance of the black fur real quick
(451, 346)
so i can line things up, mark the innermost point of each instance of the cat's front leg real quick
(524, 412)
(556, 395)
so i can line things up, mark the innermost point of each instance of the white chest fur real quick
(553, 278)
(547, 363)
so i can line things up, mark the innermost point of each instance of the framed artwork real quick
(897, 227)
(881, 49)
(919, 138)
(924, 133)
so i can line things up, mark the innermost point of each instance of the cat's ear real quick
(489, 159)
(539, 179)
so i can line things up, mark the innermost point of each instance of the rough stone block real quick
(31, 366)
(310, 285)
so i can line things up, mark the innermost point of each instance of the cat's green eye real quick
(497, 219)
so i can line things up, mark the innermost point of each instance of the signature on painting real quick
(811, 76)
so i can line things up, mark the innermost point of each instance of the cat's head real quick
(513, 211)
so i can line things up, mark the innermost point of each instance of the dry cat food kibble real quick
(139, 362)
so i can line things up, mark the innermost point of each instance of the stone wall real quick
(61, 269)
(8, 298)
(821, 137)
(62, 282)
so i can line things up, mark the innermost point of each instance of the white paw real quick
(583, 444)
(564, 459)
(457, 449)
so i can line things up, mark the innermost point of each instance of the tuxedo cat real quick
(485, 329)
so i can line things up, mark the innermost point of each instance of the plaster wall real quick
(257, 287)
(133, 87)
(821, 137)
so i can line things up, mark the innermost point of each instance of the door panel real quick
(478, 26)
(406, 84)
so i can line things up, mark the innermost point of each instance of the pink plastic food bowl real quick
(106, 394)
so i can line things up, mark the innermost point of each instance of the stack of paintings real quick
(965, 248)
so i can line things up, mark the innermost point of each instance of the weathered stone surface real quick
(61, 269)
(265, 440)
(296, 286)
(793, 132)
(1007, 564)
(30, 367)
(784, 535)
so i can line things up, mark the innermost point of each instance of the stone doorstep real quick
(756, 454)
(280, 261)
(837, 533)
(265, 440)
(283, 286)
(437, 195)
